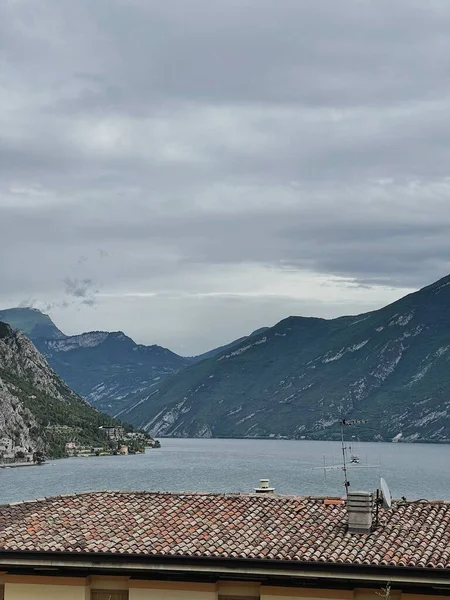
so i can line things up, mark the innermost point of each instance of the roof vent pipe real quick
(264, 487)
(359, 511)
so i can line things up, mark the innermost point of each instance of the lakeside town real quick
(118, 442)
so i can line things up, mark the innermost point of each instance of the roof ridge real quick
(167, 493)
(272, 496)
(146, 493)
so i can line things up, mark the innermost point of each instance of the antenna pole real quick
(344, 468)
(377, 508)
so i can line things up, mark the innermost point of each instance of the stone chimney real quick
(359, 511)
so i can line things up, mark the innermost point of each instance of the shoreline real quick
(19, 465)
(289, 439)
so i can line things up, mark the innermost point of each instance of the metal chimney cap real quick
(264, 487)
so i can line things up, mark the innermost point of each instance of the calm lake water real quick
(411, 470)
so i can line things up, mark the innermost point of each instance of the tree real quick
(38, 457)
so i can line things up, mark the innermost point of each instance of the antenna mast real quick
(344, 463)
(344, 423)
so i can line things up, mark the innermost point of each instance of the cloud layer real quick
(196, 170)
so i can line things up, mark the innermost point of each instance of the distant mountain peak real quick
(31, 321)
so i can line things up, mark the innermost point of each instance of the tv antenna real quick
(347, 464)
(384, 498)
(344, 423)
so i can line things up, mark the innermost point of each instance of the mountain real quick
(220, 349)
(37, 409)
(32, 323)
(300, 377)
(103, 367)
(107, 368)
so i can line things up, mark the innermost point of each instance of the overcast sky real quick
(188, 171)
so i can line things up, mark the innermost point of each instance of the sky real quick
(187, 172)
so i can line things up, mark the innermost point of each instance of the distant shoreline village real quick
(118, 442)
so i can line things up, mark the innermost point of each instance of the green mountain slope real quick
(37, 409)
(299, 378)
(221, 349)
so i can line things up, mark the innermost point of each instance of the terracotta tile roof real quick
(226, 526)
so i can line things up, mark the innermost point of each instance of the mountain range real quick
(37, 409)
(106, 368)
(299, 378)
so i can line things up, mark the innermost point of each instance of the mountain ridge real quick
(107, 368)
(103, 367)
(220, 349)
(300, 377)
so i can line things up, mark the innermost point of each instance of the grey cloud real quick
(89, 302)
(77, 288)
(257, 50)
(44, 306)
(401, 238)
(28, 303)
(52, 305)
(156, 141)
(75, 292)
(83, 290)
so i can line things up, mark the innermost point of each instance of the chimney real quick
(264, 487)
(359, 509)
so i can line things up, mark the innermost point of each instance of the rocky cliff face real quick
(17, 422)
(299, 378)
(37, 409)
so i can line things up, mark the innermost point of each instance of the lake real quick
(411, 470)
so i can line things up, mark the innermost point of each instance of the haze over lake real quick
(209, 465)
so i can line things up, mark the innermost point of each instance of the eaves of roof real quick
(311, 574)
